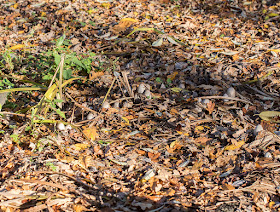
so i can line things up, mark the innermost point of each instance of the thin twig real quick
(224, 97)
(66, 175)
(109, 90)
(79, 105)
(15, 114)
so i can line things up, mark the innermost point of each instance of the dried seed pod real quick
(90, 116)
(231, 92)
(127, 105)
(141, 88)
(60, 126)
(106, 105)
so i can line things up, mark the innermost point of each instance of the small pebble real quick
(141, 88)
(148, 94)
(162, 86)
(268, 155)
(90, 116)
(127, 105)
(231, 92)
(182, 86)
(61, 126)
(205, 101)
(258, 129)
(106, 105)
(68, 127)
(117, 104)
(148, 87)
(225, 95)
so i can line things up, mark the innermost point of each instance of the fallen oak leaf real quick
(90, 132)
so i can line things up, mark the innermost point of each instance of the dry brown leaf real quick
(153, 156)
(170, 192)
(94, 74)
(140, 152)
(202, 140)
(90, 132)
(228, 187)
(210, 107)
(79, 208)
(124, 24)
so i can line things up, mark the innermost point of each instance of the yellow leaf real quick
(125, 120)
(173, 75)
(235, 146)
(274, 50)
(106, 5)
(18, 46)
(172, 145)
(129, 20)
(273, 14)
(81, 146)
(79, 208)
(270, 116)
(271, 204)
(51, 92)
(90, 133)
(199, 128)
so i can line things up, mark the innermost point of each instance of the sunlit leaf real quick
(22, 89)
(81, 146)
(51, 92)
(158, 42)
(149, 174)
(274, 50)
(171, 40)
(230, 53)
(235, 146)
(125, 120)
(16, 47)
(273, 14)
(176, 89)
(90, 133)
(129, 19)
(273, 116)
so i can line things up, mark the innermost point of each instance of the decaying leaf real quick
(158, 42)
(210, 107)
(124, 24)
(90, 132)
(273, 116)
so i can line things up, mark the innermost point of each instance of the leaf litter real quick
(177, 112)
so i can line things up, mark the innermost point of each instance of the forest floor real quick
(139, 105)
